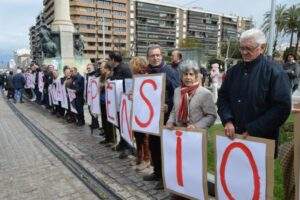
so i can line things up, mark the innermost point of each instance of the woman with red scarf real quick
(193, 104)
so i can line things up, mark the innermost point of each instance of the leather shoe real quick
(123, 155)
(151, 177)
(80, 123)
(159, 185)
(104, 142)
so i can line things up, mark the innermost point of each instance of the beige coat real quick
(202, 110)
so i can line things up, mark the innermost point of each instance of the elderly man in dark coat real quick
(255, 97)
(78, 86)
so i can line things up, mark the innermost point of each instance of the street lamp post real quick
(103, 36)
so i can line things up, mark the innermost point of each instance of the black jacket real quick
(255, 97)
(78, 86)
(48, 80)
(293, 72)
(121, 72)
(18, 81)
(171, 84)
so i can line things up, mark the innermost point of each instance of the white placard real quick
(110, 102)
(64, 100)
(148, 96)
(41, 82)
(119, 92)
(184, 163)
(128, 85)
(59, 92)
(94, 95)
(241, 169)
(29, 80)
(50, 95)
(125, 119)
(72, 96)
(53, 93)
(88, 90)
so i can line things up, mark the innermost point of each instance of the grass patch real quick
(286, 134)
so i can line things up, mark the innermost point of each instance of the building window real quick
(119, 5)
(119, 21)
(104, 11)
(119, 13)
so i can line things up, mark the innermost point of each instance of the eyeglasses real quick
(248, 49)
(154, 55)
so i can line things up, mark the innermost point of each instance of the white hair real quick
(189, 65)
(19, 71)
(255, 34)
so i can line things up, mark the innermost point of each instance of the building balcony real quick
(104, 6)
(90, 48)
(49, 5)
(46, 2)
(121, 1)
(79, 12)
(77, 3)
(84, 21)
(85, 30)
(89, 39)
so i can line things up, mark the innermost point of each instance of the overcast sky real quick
(16, 16)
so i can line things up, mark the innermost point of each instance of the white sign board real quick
(29, 80)
(64, 100)
(88, 90)
(72, 97)
(55, 93)
(184, 163)
(50, 95)
(148, 100)
(241, 169)
(41, 82)
(128, 85)
(119, 92)
(59, 88)
(110, 102)
(94, 95)
(125, 119)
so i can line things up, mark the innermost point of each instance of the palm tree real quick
(279, 21)
(298, 29)
(291, 21)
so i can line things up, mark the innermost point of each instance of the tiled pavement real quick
(28, 170)
(101, 161)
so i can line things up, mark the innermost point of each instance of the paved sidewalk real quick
(28, 170)
(101, 161)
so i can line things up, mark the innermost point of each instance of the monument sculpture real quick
(78, 45)
(49, 47)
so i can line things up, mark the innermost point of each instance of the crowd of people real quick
(253, 98)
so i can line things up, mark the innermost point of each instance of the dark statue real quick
(78, 45)
(49, 47)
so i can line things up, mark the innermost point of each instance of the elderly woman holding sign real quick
(139, 66)
(193, 104)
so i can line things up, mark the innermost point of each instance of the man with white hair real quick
(255, 97)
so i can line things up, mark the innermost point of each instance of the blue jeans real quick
(18, 95)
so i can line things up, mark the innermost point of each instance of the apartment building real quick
(130, 26)
(35, 44)
(204, 26)
(102, 23)
(152, 23)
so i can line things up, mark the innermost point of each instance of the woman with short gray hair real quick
(193, 103)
